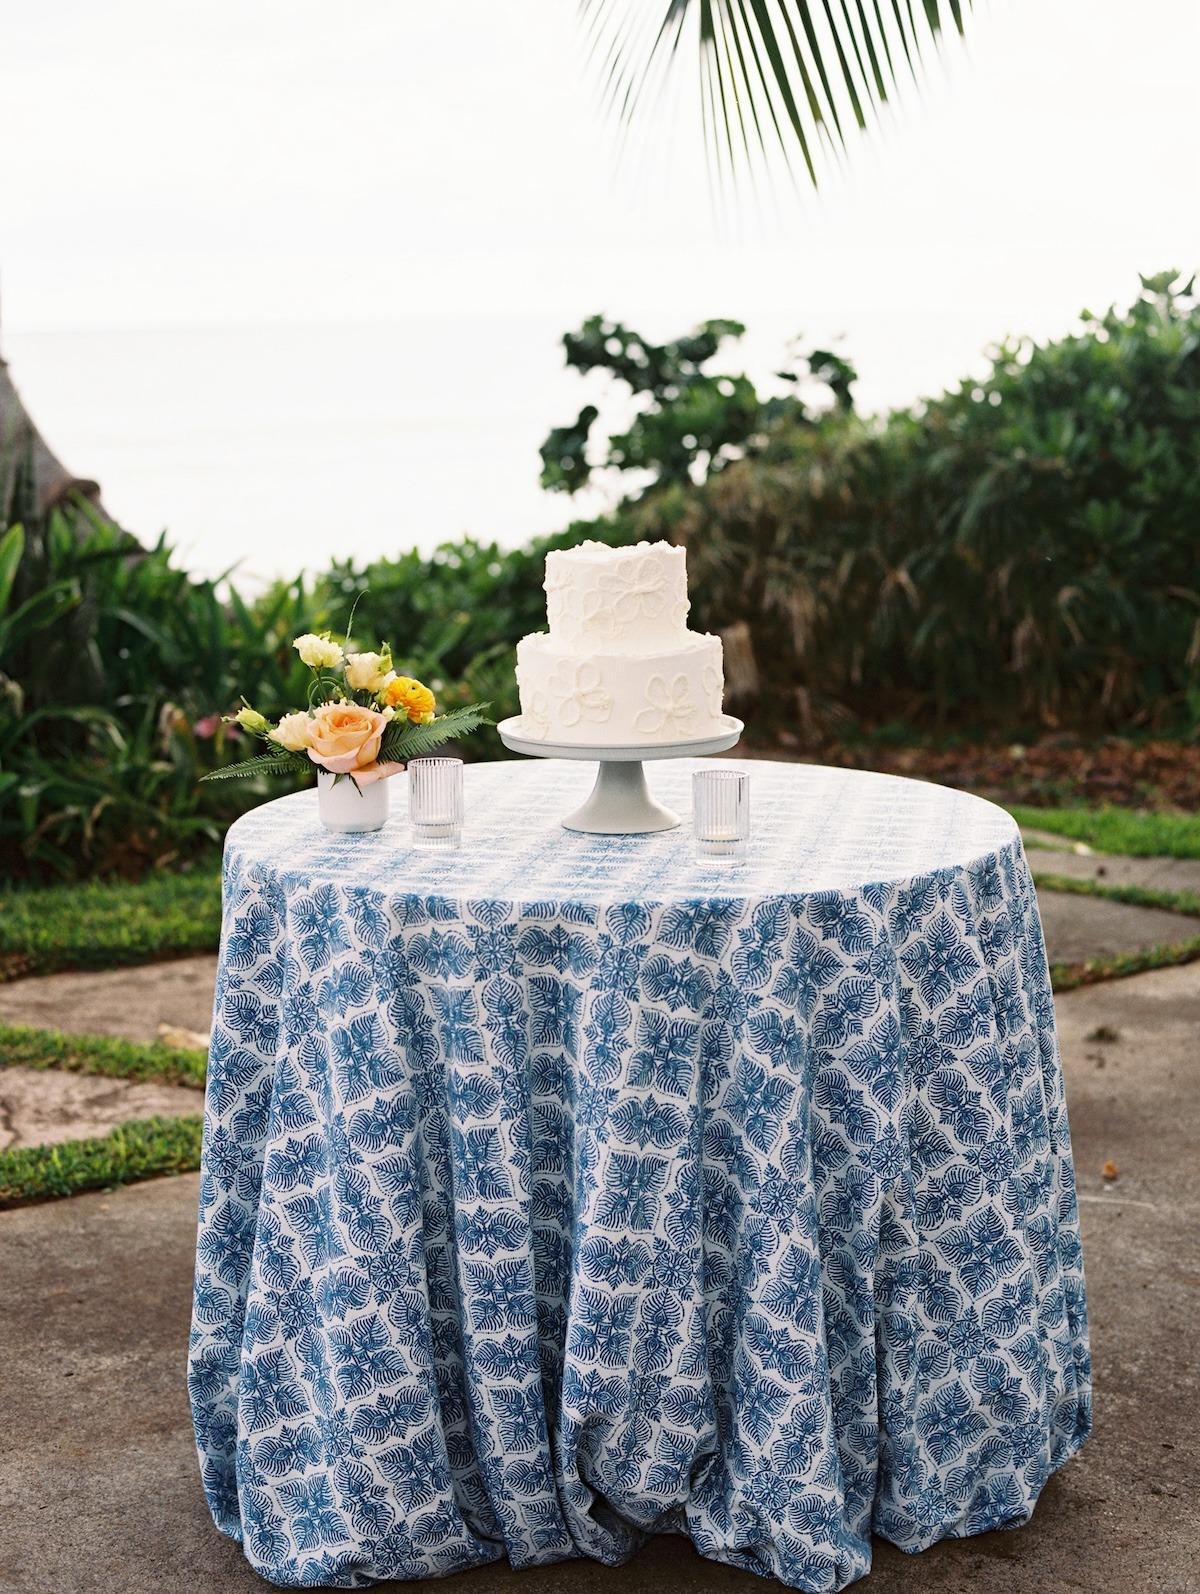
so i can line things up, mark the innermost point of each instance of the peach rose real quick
(374, 772)
(346, 737)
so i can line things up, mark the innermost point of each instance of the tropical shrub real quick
(1021, 555)
(1016, 557)
(116, 667)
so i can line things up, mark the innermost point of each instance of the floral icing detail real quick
(670, 710)
(535, 715)
(604, 602)
(636, 588)
(580, 691)
(713, 684)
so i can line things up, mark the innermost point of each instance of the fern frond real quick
(263, 764)
(402, 740)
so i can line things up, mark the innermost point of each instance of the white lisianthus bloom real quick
(368, 672)
(318, 652)
(251, 720)
(294, 732)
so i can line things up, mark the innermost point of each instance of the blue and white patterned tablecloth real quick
(562, 1189)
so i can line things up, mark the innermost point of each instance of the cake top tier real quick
(617, 600)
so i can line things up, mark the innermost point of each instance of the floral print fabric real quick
(564, 1190)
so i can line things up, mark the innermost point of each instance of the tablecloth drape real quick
(564, 1189)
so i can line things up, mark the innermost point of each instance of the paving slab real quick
(44, 1107)
(1049, 841)
(131, 1003)
(1108, 869)
(1078, 928)
(99, 1492)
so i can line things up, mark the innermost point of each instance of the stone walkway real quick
(41, 1107)
(131, 1003)
(99, 1491)
(1158, 874)
(1079, 928)
(45, 1107)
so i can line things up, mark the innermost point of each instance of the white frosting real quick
(619, 666)
(618, 600)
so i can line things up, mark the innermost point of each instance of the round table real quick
(564, 1189)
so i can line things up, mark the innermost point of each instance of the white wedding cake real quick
(618, 666)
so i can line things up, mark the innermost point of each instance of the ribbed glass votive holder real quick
(721, 812)
(435, 801)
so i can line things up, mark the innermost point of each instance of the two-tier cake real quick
(618, 666)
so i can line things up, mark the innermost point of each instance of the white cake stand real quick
(620, 803)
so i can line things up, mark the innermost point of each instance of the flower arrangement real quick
(363, 719)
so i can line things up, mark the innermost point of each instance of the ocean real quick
(275, 449)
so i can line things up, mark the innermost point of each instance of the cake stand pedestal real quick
(620, 803)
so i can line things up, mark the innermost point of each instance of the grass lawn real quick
(133, 1151)
(1123, 830)
(22, 1046)
(102, 926)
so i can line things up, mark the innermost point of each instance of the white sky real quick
(258, 163)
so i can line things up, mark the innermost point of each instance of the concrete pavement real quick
(1159, 874)
(42, 1107)
(131, 1003)
(1079, 928)
(99, 1492)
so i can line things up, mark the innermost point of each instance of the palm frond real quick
(780, 74)
(403, 740)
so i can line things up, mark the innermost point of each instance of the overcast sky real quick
(268, 162)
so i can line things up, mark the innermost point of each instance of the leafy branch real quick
(401, 741)
(771, 74)
(263, 764)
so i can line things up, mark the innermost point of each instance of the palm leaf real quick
(403, 740)
(264, 764)
(778, 73)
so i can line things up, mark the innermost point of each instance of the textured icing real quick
(617, 699)
(619, 665)
(617, 600)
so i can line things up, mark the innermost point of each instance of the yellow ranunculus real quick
(368, 672)
(416, 699)
(251, 720)
(318, 652)
(294, 732)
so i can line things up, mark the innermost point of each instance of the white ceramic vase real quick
(348, 807)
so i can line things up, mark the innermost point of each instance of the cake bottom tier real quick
(619, 700)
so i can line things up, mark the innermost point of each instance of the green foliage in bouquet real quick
(363, 719)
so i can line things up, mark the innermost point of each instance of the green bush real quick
(1020, 555)
(1017, 556)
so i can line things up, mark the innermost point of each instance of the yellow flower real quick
(318, 652)
(294, 732)
(416, 700)
(251, 720)
(368, 672)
